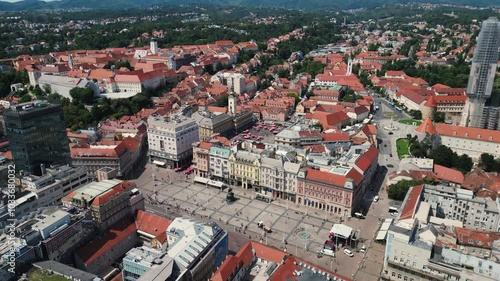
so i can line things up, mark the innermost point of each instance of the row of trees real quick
(442, 155)
(397, 191)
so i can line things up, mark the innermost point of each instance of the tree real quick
(82, 95)
(397, 191)
(487, 162)
(293, 95)
(438, 117)
(463, 163)
(25, 98)
(443, 156)
(416, 114)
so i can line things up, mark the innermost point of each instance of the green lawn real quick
(410, 122)
(39, 275)
(403, 148)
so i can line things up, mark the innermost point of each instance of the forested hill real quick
(290, 4)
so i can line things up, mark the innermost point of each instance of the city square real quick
(173, 194)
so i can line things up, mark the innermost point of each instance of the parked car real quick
(363, 249)
(376, 198)
(348, 253)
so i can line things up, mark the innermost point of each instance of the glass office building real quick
(37, 135)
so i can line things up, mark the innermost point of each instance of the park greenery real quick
(403, 148)
(397, 191)
(442, 155)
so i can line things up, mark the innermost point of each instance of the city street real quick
(173, 194)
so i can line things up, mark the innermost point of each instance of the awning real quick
(156, 162)
(201, 180)
(341, 230)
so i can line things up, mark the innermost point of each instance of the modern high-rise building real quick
(481, 78)
(37, 135)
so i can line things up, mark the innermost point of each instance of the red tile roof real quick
(205, 145)
(333, 179)
(448, 174)
(335, 137)
(430, 102)
(226, 269)
(476, 238)
(468, 133)
(114, 192)
(151, 224)
(97, 247)
(450, 99)
(366, 160)
(426, 127)
(412, 200)
(250, 249)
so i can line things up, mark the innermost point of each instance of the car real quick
(376, 198)
(327, 252)
(348, 253)
(363, 249)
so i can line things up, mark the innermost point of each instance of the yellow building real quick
(244, 168)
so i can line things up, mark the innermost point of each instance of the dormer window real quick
(491, 138)
(478, 136)
(454, 133)
(466, 134)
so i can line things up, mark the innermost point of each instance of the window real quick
(414, 264)
(405, 278)
(393, 274)
(399, 276)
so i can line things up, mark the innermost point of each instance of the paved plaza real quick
(173, 194)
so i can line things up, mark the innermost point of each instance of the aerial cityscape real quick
(163, 140)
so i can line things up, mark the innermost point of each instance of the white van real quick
(328, 252)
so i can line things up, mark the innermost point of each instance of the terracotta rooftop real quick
(468, 133)
(114, 192)
(333, 179)
(476, 238)
(151, 224)
(448, 174)
(426, 127)
(97, 247)
(365, 161)
(411, 203)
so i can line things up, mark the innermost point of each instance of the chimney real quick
(44, 170)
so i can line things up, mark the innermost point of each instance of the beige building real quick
(121, 157)
(201, 158)
(244, 168)
(210, 124)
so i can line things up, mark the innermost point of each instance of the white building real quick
(63, 85)
(279, 177)
(170, 139)
(460, 204)
(219, 163)
(133, 82)
(469, 141)
(47, 190)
